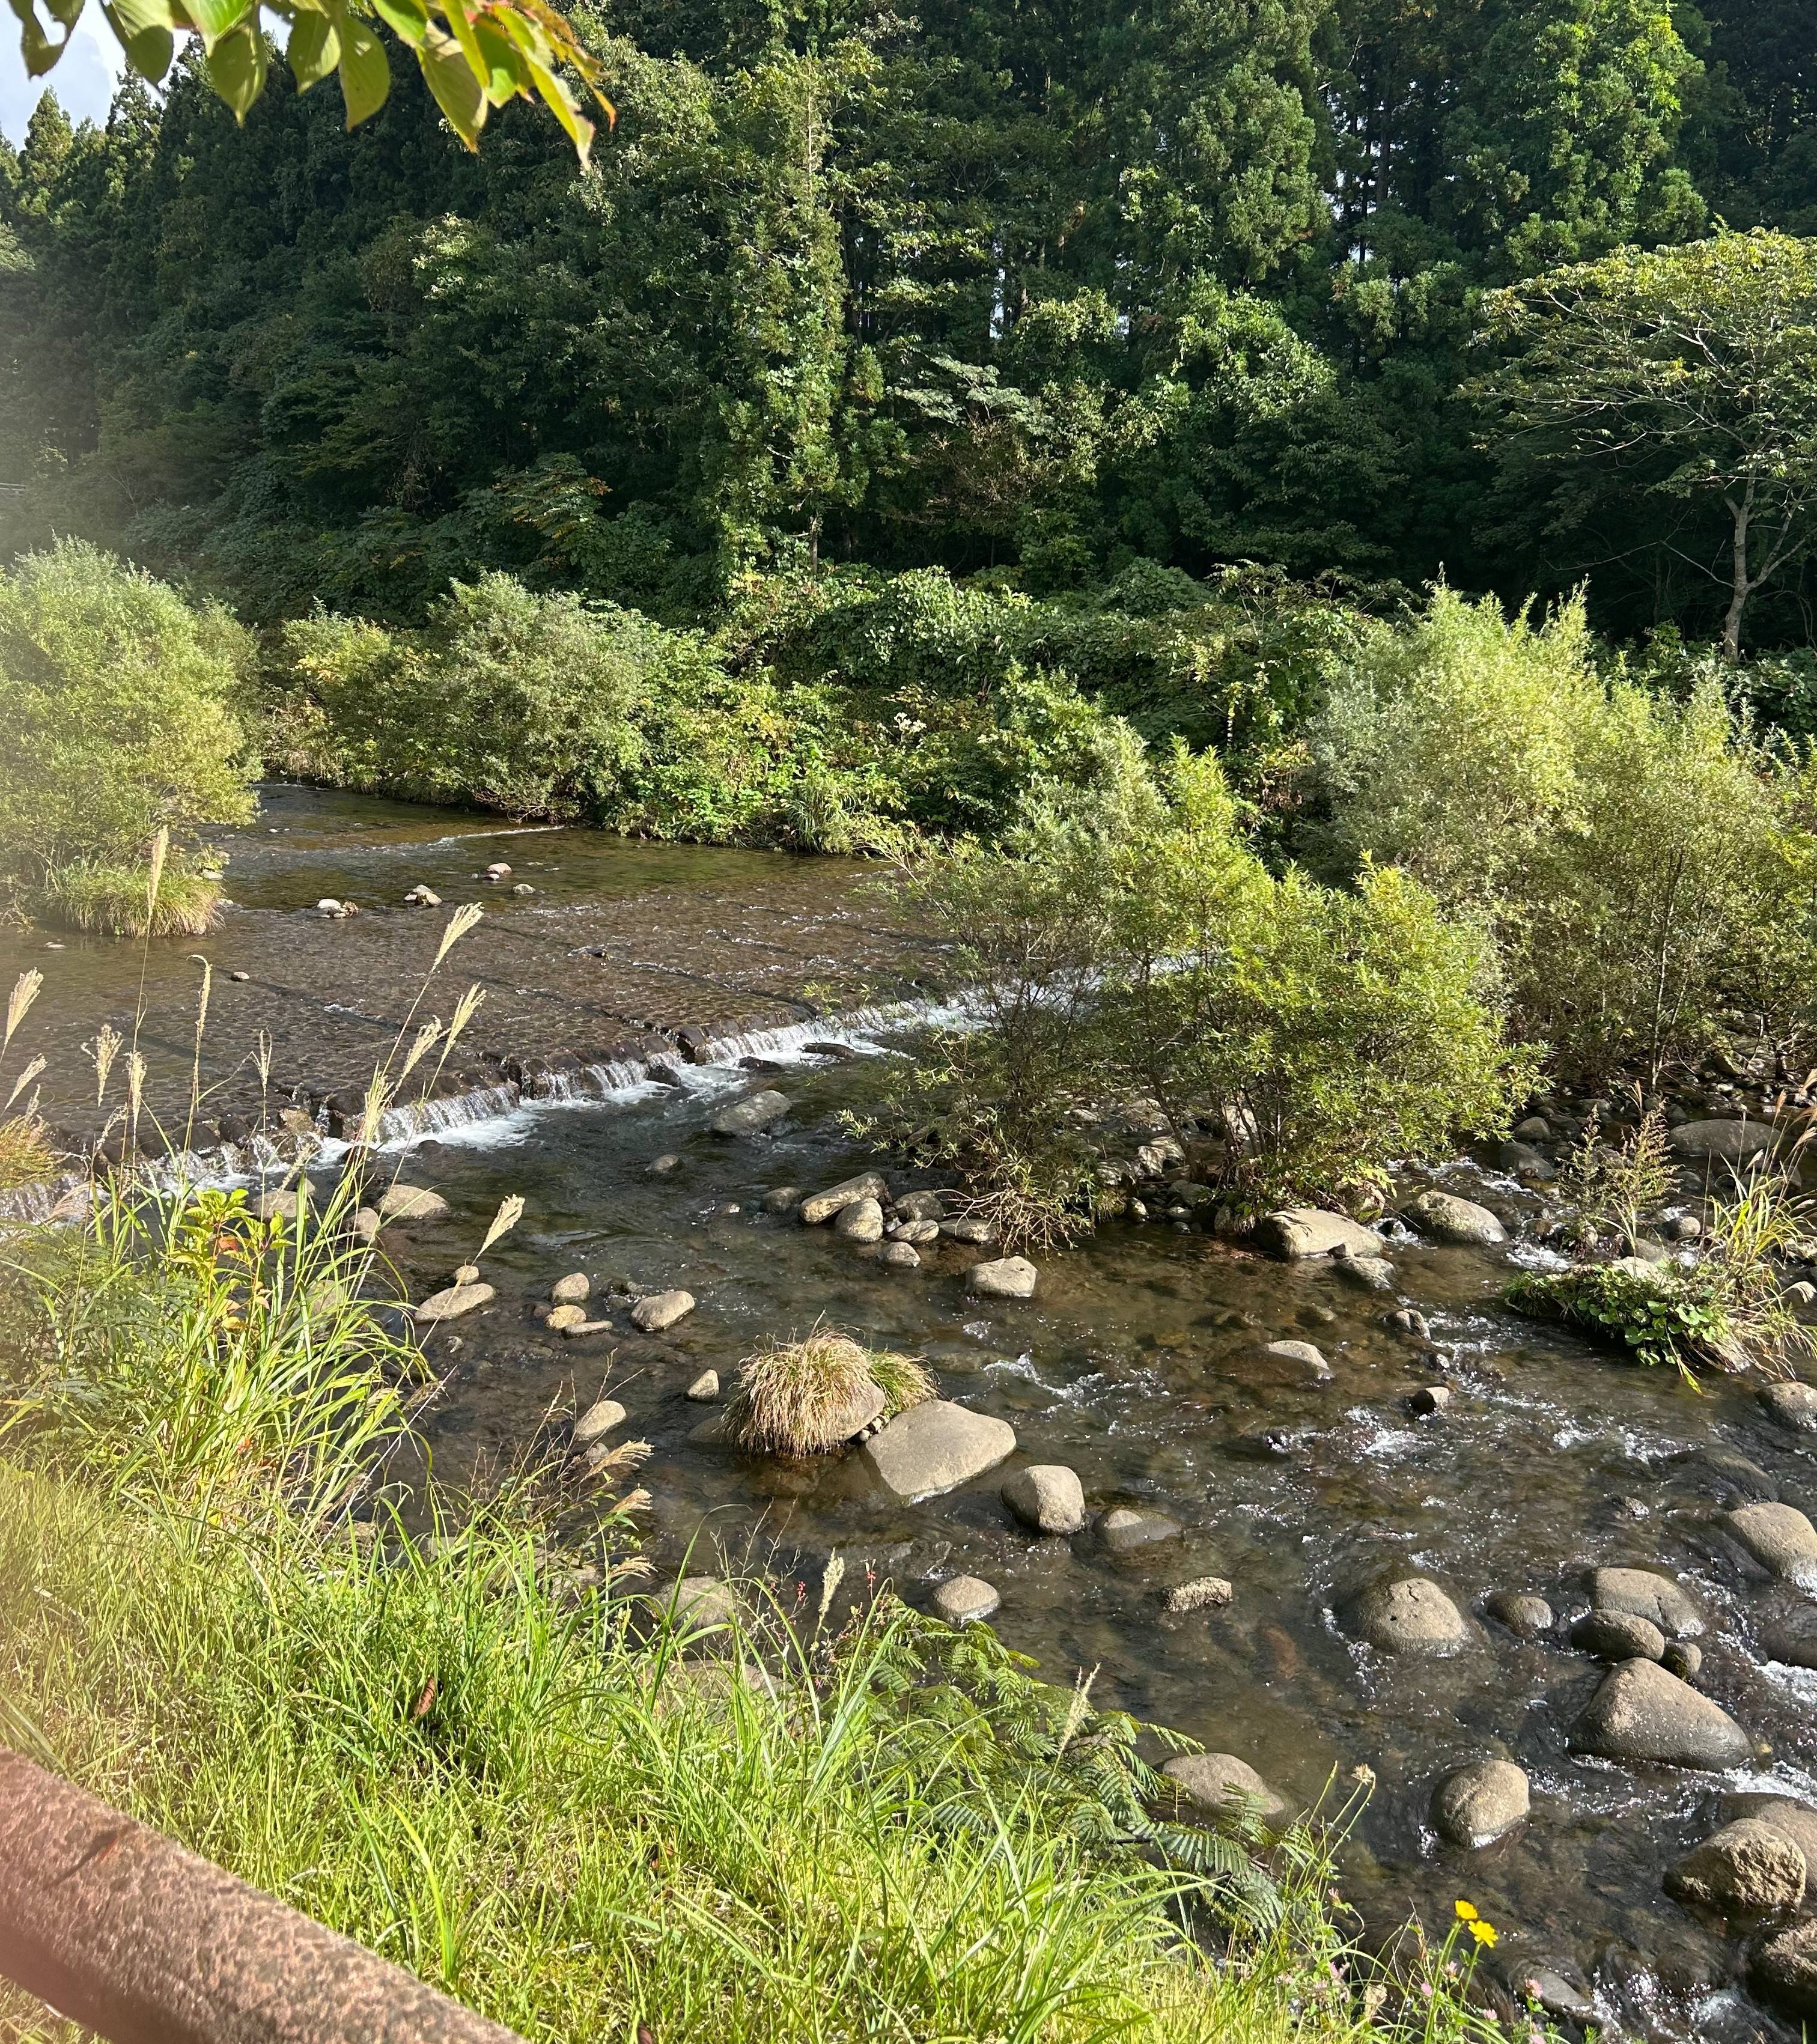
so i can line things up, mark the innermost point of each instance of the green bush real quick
(118, 699)
(1640, 859)
(1129, 941)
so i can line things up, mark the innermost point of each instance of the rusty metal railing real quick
(121, 1930)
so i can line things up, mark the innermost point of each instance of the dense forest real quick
(1035, 292)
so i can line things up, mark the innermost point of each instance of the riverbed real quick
(1140, 1362)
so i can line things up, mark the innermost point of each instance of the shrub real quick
(1639, 859)
(115, 900)
(1127, 940)
(118, 698)
(796, 1398)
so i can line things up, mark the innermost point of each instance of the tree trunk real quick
(1739, 586)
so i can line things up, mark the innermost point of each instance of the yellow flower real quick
(1466, 1912)
(1484, 1933)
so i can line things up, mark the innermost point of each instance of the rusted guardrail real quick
(119, 1928)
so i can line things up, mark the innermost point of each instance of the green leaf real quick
(143, 29)
(506, 74)
(38, 52)
(450, 77)
(409, 19)
(236, 67)
(313, 50)
(215, 19)
(365, 74)
(562, 103)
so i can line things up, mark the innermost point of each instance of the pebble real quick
(656, 1311)
(1048, 1497)
(965, 1600)
(239, 977)
(1202, 1593)
(704, 1389)
(572, 1290)
(1004, 1277)
(1481, 1803)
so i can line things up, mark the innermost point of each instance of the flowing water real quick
(1139, 1362)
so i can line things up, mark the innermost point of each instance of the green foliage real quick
(1130, 941)
(1614, 1187)
(1639, 859)
(119, 701)
(796, 1398)
(1665, 1317)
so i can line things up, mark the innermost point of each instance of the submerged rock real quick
(934, 1447)
(1295, 1233)
(782, 1199)
(1526, 1615)
(750, 1116)
(1202, 1593)
(1411, 1615)
(1375, 1274)
(1447, 1218)
(1219, 1785)
(597, 1420)
(900, 1256)
(1004, 1277)
(1048, 1497)
(1124, 1532)
(1793, 1405)
(1746, 1868)
(1481, 1803)
(966, 1599)
(1780, 1539)
(968, 1228)
(1308, 1352)
(1641, 1713)
(660, 1310)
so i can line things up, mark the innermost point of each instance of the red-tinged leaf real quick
(560, 102)
(425, 1702)
(458, 93)
(313, 50)
(365, 74)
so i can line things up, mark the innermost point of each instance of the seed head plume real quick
(19, 1002)
(458, 924)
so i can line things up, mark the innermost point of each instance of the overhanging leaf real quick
(409, 19)
(144, 28)
(365, 74)
(450, 77)
(236, 67)
(313, 49)
(214, 19)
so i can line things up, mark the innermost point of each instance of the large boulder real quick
(748, 1116)
(1780, 1539)
(655, 1311)
(1727, 1141)
(1481, 1803)
(1447, 1218)
(1003, 1278)
(1746, 1868)
(1641, 1713)
(1219, 1785)
(1411, 1615)
(819, 1207)
(1648, 1595)
(1784, 1971)
(1793, 1405)
(1048, 1497)
(936, 1446)
(1296, 1232)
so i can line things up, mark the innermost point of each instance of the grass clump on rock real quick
(806, 1398)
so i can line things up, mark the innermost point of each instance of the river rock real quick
(1296, 1232)
(1481, 1803)
(283, 1203)
(562, 1318)
(660, 1167)
(1202, 1593)
(1654, 1597)
(366, 1222)
(597, 1421)
(1447, 1218)
(1793, 1405)
(936, 1446)
(1784, 1971)
(1219, 1785)
(573, 1290)
(1411, 1615)
(450, 1304)
(658, 1310)
(900, 1256)
(966, 1599)
(968, 1228)
(1780, 1539)
(859, 1221)
(1431, 1402)
(1745, 1868)
(1796, 1822)
(1535, 1128)
(1124, 1532)
(700, 1602)
(423, 896)
(1729, 1141)
(1306, 1352)
(1405, 1320)
(783, 1199)
(819, 1207)
(1374, 1273)
(922, 1206)
(748, 1116)
(1641, 1713)
(1792, 1641)
(1004, 1277)
(1683, 1658)
(1617, 1635)
(415, 1203)
(1524, 1615)
(575, 1329)
(1048, 1497)
(916, 1232)
(704, 1389)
